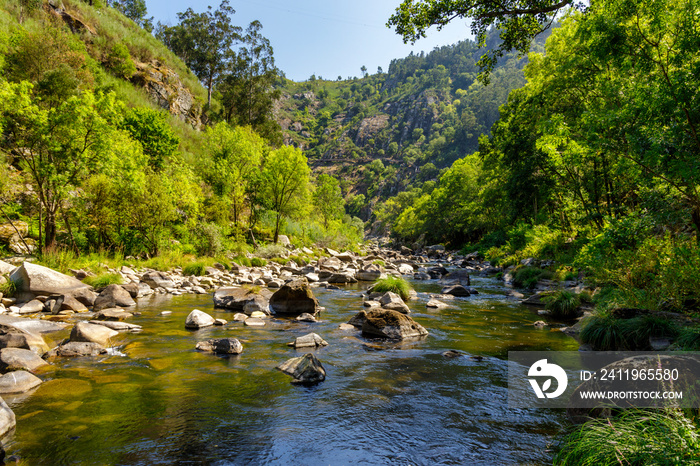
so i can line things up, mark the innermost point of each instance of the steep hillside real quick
(383, 132)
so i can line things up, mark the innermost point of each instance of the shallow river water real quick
(162, 402)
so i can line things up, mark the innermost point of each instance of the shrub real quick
(635, 437)
(527, 277)
(8, 288)
(563, 304)
(688, 339)
(102, 280)
(638, 330)
(271, 250)
(195, 268)
(604, 333)
(258, 262)
(242, 260)
(394, 284)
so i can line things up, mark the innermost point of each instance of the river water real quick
(162, 402)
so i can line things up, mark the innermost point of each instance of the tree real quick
(236, 154)
(328, 198)
(247, 89)
(136, 11)
(285, 179)
(151, 129)
(363, 69)
(203, 41)
(519, 21)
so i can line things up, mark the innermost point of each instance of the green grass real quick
(688, 339)
(604, 333)
(563, 304)
(527, 277)
(242, 260)
(394, 284)
(8, 288)
(635, 437)
(258, 262)
(271, 251)
(103, 280)
(194, 268)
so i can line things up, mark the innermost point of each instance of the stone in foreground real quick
(294, 297)
(385, 323)
(221, 346)
(41, 280)
(198, 319)
(305, 369)
(17, 359)
(311, 340)
(7, 418)
(18, 382)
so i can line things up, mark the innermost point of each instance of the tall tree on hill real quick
(247, 89)
(203, 41)
(136, 11)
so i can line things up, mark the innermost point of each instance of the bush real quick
(242, 260)
(258, 262)
(638, 330)
(103, 280)
(635, 437)
(194, 269)
(527, 277)
(604, 333)
(563, 304)
(394, 284)
(271, 250)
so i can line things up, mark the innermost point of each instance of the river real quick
(159, 401)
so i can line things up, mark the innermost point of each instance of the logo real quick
(542, 369)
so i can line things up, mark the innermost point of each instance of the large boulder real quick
(32, 307)
(198, 319)
(18, 382)
(456, 290)
(6, 268)
(405, 269)
(156, 279)
(18, 359)
(85, 331)
(221, 346)
(370, 273)
(392, 301)
(75, 349)
(437, 272)
(295, 298)
(113, 296)
(243, 299)
(7, 419)
(457, 277)
(305, 369)
(385, 323)
(22, 339)
(40, 280)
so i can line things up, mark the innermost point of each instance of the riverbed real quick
(157, 400)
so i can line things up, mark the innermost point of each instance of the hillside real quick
(384, 132)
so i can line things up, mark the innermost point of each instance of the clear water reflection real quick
(165, 403)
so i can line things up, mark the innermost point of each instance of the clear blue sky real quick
(328, 38)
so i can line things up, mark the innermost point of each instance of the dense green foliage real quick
(394, 284)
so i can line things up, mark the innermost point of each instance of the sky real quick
(328, 38)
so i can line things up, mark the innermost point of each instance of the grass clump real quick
(103, 280)
(394, 284)
(242, 260)
(604, 332)
(8, 288)
(196, 269)
(258, 262)
(527, 277)
(563, 304)
(688, 339)
(635, 437)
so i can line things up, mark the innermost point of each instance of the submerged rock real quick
(198, 319)
(385, 323)
(310, 340)
(305, 369)
(221, 346)
(305, 317)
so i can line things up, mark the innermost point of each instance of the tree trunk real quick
(277, 227)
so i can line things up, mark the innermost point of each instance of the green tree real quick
(150, 128)
(328, 198)
(203, 41)
(285, 182)
(136, 11)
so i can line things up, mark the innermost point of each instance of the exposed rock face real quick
(117, 325)
(221, 346)
(41, 280)
(74, 23)
(435, 304)
(84, 331)
(358, 320)
(17, 359)
(18, 382)
(198, 319)
(385, 323)
(113, 296)
(305, 369)
(165, 88)
(294, 297)
(312, 340)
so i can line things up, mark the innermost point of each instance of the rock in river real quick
(305, 369)
(198, 319)
(392, 301)
(41, 280)
(312, 340)
(16, 359)
(385, 323)
(456, 290)
(113, 296)
(7, 418)
(18, 382)
(243, 299)
(221, 346)
(74, 349)
(84, 331)
(294, 297)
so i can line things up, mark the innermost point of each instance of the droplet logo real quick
(543, 369)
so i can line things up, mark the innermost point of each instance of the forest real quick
(563, 132)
